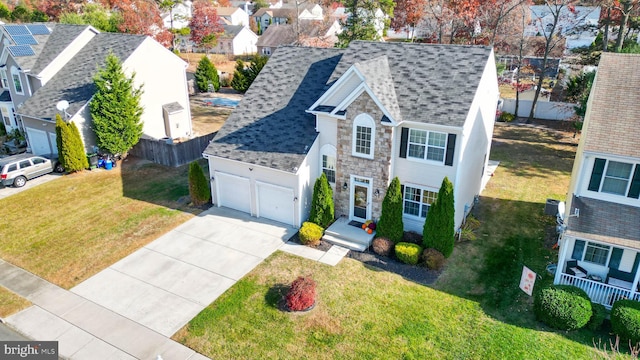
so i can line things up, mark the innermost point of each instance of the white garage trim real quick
(38, 141)
(275, 202)
(233, 191)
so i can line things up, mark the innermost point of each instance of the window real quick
(427, 145)
(25, 164)
(363, 136)
(17, 83)
(596, 253)
(37, 161)
(615, 177)
(5, 80)
(417, 201)
(328, 162)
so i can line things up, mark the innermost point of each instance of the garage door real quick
(233, 191)
(38, 141)
(275, 202)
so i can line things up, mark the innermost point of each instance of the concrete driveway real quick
(166, 283)
(6, 191)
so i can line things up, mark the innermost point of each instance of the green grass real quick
(71, 228)
(474, 311)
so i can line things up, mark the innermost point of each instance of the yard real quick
(475, 309)
(69, 229)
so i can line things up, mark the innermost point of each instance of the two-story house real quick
(236, 40)
(600, 223)
(51, 67)
(361, 115)
(233, 15)
(265, 17)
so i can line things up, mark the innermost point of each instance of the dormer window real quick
(363, 136)
(17, 83)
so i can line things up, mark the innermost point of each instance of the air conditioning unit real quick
(551, 207)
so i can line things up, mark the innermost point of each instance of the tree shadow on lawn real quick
(532, 160)
(275, 296)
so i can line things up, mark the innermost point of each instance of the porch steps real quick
(348, 236)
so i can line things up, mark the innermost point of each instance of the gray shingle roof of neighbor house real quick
(276, 35)
(605, 218)
(231, 31)
(74, 82)
(432, 84)
(270, 126)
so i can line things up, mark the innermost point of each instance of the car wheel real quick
(58, 168)
(20, 181)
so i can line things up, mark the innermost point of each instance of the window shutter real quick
(402, 191)
(578, 248)
(596, 174)
(616, 256)
(451, 146)
(404, 139)
(634, 190)
(635, 264)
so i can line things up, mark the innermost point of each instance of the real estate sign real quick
(527, 280)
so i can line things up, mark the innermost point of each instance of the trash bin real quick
(93, 160)
(108, 165)
(551, 207)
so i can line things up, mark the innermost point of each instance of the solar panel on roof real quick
(21, 50)
(24, 40)
(17, 30)
(38, 29)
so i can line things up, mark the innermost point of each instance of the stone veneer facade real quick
(377, 168)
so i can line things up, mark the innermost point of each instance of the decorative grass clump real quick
(563, 307)
(310, 234)
(302, 294)
(408, 253)
(625, 320)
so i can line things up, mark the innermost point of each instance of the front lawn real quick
(69, 229)
(475, 309)
(11, 303)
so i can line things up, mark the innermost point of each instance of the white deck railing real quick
(599, 292)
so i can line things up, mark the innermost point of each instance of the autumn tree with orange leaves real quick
(205, 24)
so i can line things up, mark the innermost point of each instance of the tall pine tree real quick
(390, 224)
(322, 208)
(206, 74)
(71, 153)
(199, 189)
(439, 227)
(115, 108)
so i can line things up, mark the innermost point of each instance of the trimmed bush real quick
(71, 153)
(382, 246)
(625, 320)
(390, 224)
(433, 259)
(199, 189)
(322, 212)
(310, 234)
(598, 314)
(302, 294)
(408, 253)
(506, 117)
(439, 227)
(563, 307)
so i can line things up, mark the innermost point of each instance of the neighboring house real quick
(312, 33)
(310, 12)
(266, 16)
(362, 115)
(234, 15)
(341, 13)
(236, 40)
(179, 16)
(579, 24)
(600, 227)
(276, 36)
(52, 63)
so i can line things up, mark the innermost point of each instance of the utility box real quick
(551, 207)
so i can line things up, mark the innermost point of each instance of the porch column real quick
(635, 284)
(562, 255)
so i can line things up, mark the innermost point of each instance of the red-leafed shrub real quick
(302, 294)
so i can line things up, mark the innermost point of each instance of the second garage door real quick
(234, 191)
(275, 202)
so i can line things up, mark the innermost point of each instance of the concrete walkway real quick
(130, 309)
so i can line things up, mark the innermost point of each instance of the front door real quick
(360, 198)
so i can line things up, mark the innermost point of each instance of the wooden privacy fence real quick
(172, 154)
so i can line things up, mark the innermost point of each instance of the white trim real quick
(213, 157)
(363, 120)
(333, 87)
(369, 186)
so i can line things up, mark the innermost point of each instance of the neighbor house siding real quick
(245, 43)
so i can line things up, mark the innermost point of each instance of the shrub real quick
(3, 129)
(301, 294)
(408, 253)
(439, 227)
(506, 117)
(433, 259)
(310, 234)
(207, 74)
(563, 307)
(598, 314)
(199, 189)
(71, 153)
(625, 320)
(390, 224)
(382, 246)
(322, 212)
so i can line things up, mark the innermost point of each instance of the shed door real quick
(233, 191)
(275, 202)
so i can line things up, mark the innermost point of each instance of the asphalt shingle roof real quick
(231, 31)
(605, 218)
(74, 82)
(378, 77)
(277, 35)
(61, 36)
(270, 126)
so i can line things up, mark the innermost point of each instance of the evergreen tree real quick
(322, 210)
(71, 153)
(206, 74)
(390, 224)
(199, 189)
(243, 76)
(439, 227)
(115, 108)
(239, 81)
(361, 21)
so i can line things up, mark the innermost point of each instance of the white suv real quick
(17, 169)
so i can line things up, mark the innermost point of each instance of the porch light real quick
(345, 186)
(377, 193)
